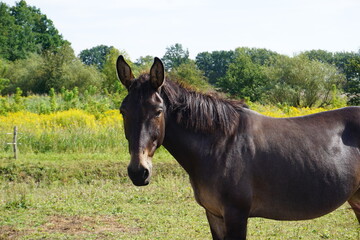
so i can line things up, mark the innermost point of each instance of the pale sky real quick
(147, 27)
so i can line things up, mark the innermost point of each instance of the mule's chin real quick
(140, 183)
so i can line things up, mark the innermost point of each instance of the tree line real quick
(35, 58)
(312, 78)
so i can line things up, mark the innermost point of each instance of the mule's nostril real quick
(146, 174)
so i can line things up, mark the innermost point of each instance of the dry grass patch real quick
(9, 233)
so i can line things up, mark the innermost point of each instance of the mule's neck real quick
(195, 124)
(188, 147)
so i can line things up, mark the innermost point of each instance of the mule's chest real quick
(208, 197)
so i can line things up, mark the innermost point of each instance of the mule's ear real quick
(124, 72)
(157, 74)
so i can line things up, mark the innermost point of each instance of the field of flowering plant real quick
(79, 131)
(67, 131)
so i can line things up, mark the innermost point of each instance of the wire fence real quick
(14, 141)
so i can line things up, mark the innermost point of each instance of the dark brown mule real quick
(242, 164)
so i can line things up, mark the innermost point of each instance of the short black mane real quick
(201, 112)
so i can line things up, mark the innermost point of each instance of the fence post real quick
(15, 141)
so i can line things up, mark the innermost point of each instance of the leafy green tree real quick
(214, 64)
(39, 73)
(95, 56)
(62, 69)
(175, 55)
(39, 57)
(4, 83)
(142, 65)
(7, 29)
(352, 86)
(24, 30)
(320, 55)
(260, 56)
(243, 79)
(346, 62)
(25, 73)
(53, 69)
(144, 61)
(188, 74)
(341, 61)
(3, 70)
(300, 82)
(111, 82)
(77, 75)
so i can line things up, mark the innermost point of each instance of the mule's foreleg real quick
(236, 223)
(232, 226)
(217, 226)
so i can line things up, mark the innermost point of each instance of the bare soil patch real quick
(8, 233)
(86, 224)
(71, 225)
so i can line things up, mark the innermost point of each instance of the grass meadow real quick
(70, 182)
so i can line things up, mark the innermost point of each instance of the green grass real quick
(89, 196)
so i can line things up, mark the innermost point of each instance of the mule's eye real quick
(158, 113)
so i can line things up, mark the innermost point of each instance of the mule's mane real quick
(202, 112)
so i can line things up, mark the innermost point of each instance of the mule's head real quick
(144, 120)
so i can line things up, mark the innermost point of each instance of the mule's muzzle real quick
(140, 176)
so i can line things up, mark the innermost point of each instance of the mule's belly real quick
(305, 177)
(289, 210)
(303, 198)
